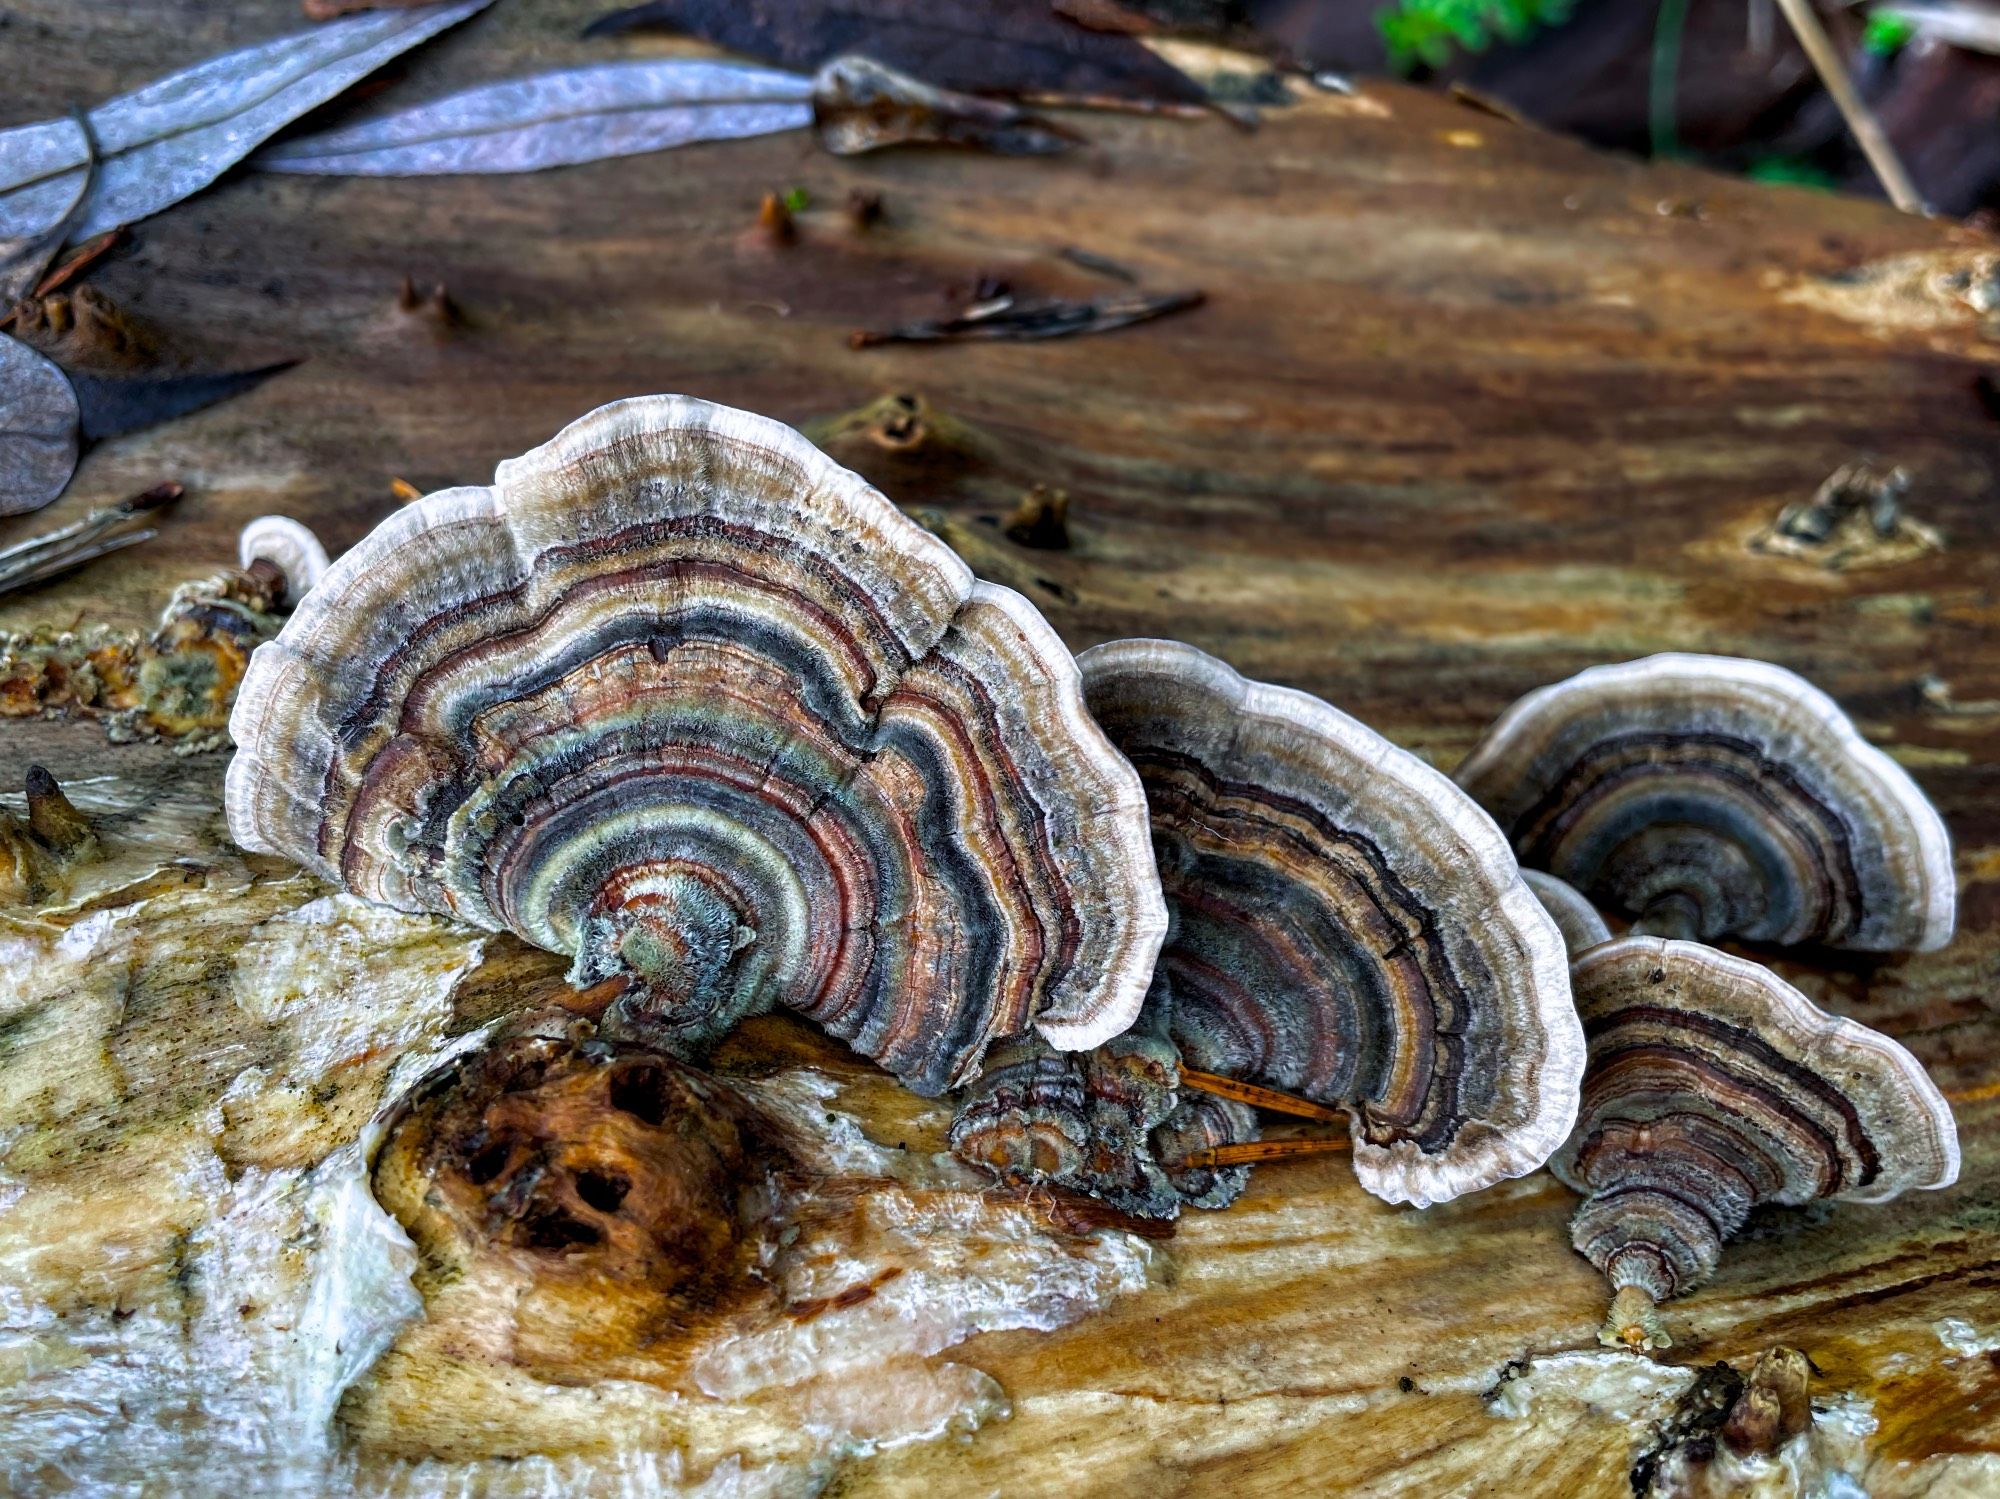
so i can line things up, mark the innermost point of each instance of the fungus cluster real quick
(1347, 926)
(1709, 797)
(679, 697)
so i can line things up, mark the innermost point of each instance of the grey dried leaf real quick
(859, 105)
(24, 255)
(38, 429)
(175, 136)
(559, 119)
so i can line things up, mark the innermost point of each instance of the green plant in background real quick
(1426, 32)
(1792, 171)
(1886, 34)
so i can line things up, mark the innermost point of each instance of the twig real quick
(40, 558)
(1868, 133)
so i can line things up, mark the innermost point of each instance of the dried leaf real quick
(174, 137)
(38, 429)
(113, 407)
(859, 105)
(26, 252)
(972, 46)
(1041, 317)
(558, 119)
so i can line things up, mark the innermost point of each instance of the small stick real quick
(1263, 1098)
(1868, 132)
(81, 259)
(1249, 1152)
(41, 557)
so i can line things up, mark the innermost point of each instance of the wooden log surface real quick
(1468, 407)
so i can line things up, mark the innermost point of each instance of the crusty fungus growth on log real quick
(1710, 796)
(1714, 1086)
(178, 682)
(678, 696)
(1348, 927)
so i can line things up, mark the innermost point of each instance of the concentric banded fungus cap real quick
(1714, 1086)
(684, 699)
(288, 546)
(1712, 796)
(1348, 925)
(1580, 923)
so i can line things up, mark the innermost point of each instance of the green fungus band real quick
(1714, 1086)
(1347, 925)
(685, 700)
(1712, 796)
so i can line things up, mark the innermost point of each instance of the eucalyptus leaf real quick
(175, 136)
(38, 429)
(25, 255)
(559, 119)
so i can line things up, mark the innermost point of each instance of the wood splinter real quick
(54, 820)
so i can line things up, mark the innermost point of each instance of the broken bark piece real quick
(1041, 520)
(434, 306)
(84, 331)
(775, 224)
(1855, 520)
(105, 529)
(1774, 1406)
(859, 106)
(54, 820)
(1007, 316)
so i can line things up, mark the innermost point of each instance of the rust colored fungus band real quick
(1714, 1086)
(1711, 796)
(685, 700)
(1348, 926)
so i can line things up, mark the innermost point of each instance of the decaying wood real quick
(1467, 408)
